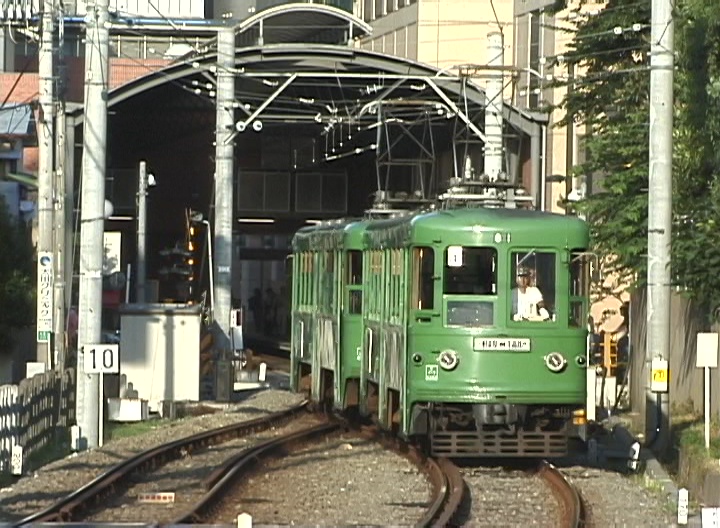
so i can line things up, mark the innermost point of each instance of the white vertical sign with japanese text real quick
(45, 282)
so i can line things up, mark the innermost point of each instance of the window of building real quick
(535, 52)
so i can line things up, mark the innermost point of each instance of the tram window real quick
(423, 278)
(579, 286)
(533, 292)
(354, 267)
(470, 271)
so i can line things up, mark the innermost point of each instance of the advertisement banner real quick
(45, 284)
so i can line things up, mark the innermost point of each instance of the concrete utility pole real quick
(659, 216)
(46, 133)
(224, 167)
(140, 276)
(92, 214)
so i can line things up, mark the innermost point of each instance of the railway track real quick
(98, 496)
(92, 496)
(575, 513)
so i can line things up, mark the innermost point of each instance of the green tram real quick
(464, 329)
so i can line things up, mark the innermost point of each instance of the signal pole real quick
(662, 62)
(92, 215)
(46, 164)
(224, 166)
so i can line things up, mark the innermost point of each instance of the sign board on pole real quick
(659, 375)
(709, 517)
(45, 283)
(101, 359)
(707, 350)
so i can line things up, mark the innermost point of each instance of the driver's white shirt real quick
(528, 300)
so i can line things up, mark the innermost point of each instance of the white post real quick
(707, 358)
(46, 166)
(659, 230)
(92, 213)
(682, 511)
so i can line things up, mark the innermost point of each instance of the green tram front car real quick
(475, 329)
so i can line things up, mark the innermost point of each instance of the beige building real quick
(448, 33)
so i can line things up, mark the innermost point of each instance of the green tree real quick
(17, 292)
(611, 100)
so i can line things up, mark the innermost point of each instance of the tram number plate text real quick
(504, 345)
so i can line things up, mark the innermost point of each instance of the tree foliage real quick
(17, 292)
(611, 101)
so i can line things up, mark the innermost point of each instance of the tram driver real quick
(527, 299)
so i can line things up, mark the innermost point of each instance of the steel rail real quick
(574, 511)
(448, 487)
(91, 494)
(223, 478)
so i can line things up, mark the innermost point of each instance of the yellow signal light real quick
(191, 246)
(191, 261)
(192, 230)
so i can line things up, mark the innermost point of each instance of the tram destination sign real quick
(501, 344)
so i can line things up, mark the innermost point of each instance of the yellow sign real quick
(659, 375)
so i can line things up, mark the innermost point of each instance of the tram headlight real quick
(448, 359)
(555, 362)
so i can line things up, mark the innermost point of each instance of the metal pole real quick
(210, 269)
(569, 139)
(141, 278)
(61, 250)
(659, 213)
(224, 151)
(493, 109)
(46, 133)
(92, 215)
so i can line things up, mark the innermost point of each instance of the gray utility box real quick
(160, 352)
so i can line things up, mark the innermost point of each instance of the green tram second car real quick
(463, 329)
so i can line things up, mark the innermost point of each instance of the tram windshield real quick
(470, 271)
(533, 292)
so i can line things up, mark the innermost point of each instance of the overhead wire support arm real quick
(242, 125)
(465, 119)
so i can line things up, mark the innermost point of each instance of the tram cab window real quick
(580, 263)
(423, 267)
(470, 271)
(533, 293)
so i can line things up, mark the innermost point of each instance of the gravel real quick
(35, 492)
(499, 495)
(341, 481)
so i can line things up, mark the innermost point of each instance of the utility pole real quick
(92, 215)
(140, 276)
(657, 410)
(224, 166)
(46, 165)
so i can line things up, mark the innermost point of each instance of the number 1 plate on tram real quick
(502, 345)
(101, 359)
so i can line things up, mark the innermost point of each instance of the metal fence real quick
(35, 413)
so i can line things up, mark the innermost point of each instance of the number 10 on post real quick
(101, 359)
